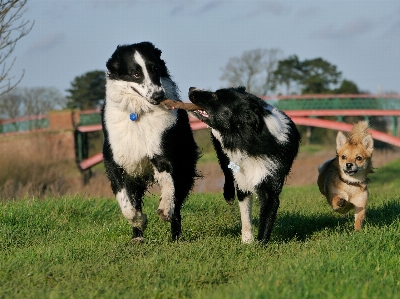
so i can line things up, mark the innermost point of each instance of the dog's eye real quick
(358, 158)
(344, 157)
(136, 75)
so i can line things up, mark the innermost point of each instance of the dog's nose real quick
(158, 96)
(349, 165)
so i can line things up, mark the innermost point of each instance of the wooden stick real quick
(172, 104)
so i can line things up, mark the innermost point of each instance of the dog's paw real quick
(166, 209)
(138, 240)
(139, 221)
(163, 216)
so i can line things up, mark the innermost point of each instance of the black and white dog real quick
(145, 142)
(255, 144)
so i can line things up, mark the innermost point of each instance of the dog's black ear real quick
(163, 68)
(241, 89)
(164, 72)
(113, 63)
(157, 53)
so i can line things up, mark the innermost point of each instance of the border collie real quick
(255, 145)
(144, 142)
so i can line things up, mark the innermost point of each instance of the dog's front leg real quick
(166, 206)
(229, 185)
(269, 204)
(163, 176)
(128, 192)
(339, 202)
(245, 205)
(169, 208)
(130, 202)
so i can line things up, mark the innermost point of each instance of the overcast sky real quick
(197, 38)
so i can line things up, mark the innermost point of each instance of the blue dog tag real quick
(234, 167)
(133, 116)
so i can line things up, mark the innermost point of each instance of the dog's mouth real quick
(349, 172)
(135, 90)
(156, 101)
(201, 114)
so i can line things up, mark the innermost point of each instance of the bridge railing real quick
(24, 124)
(304, 110)
(335, 101)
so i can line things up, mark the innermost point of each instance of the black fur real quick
(238, 124)
(176, 153)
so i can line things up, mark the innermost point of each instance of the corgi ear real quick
(368, 142)
(340, 140)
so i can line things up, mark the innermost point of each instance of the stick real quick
(172, 104)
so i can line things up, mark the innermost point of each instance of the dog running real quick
(343, 180)
(255, 145)
(144, 142)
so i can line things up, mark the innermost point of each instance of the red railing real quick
(300, 117)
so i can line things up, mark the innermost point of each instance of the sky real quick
(197, 38)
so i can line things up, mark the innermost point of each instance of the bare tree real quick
(253, 70)
(10, 105)
(40, 100)
(12, 28)
(241, 71)
(270, 64)
(31, 101)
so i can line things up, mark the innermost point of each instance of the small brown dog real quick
(343, 180)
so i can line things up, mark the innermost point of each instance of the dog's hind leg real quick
(229, 185)
(245, 205)
(360, 211)
(269, 204)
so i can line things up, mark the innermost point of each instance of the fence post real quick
(394, 125)
(63, 120)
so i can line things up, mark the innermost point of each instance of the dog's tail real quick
(359, 131)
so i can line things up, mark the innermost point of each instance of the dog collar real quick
(133, 116)
(360, 184)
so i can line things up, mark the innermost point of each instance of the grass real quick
(74, 247)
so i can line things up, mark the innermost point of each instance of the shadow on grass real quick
(290, 226)
(300, 227)
(295, 226)
(386, 214)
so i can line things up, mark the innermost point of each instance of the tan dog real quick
(343, 180)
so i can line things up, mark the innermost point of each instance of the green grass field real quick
(73, 247)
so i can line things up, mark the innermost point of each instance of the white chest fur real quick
(134, 142)
(251, 170)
